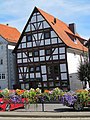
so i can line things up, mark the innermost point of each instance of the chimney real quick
(72, 27)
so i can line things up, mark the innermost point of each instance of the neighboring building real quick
(48, 53)
(8, 39)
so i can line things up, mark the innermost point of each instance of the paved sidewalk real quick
(46, 114)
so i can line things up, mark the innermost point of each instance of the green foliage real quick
(82, 96)
(84, 72)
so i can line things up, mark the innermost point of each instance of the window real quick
(48, 52)
(62, 50)
(31, 69)
(0, 76)
(50, 69)
(37, 68)
(41, 52)
(56, 69)
(29, 38)
(43, 69)
(29, 54)
(63, 76)
(3, 76)
(63, 67)
(47, 35)
(1, 61)
(36, 53)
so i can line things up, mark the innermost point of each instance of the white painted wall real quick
(74, 58)
(8, 66)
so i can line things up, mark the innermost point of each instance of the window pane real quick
(56, 69)
(36, 53)
(31, 75)
(63, 67)
(48, 52)
(3, 76)
(42, 58)
(18, 55)
(43, 69)
(37, 68)
(50, 69)
(44, 77)
(47, 42)
(62, 56)
(62, 50)
(27, 86)
(29, 44)
(31, 69)
(29, 54)
(36, 59)
(47, 35)
(29, 38)
(22, 86)
(19, 60)
(24, 60)
(63, 76)
(42, 52)
(0, 76)
(20, 76)
(38, 75)
(23, 45)
(55, 57)
(54, 40)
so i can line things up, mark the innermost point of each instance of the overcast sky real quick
(17, 12)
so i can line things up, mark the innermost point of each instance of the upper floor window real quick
(36, 53)
(0, 76)
(1, 61)
(48, 51)
(37, 69)
(47, 34)
(29, 38)
(3, 76)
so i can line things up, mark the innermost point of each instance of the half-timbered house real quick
(48, 53)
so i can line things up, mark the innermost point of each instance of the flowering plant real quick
(69, 98)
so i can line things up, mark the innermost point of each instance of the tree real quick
(84, 72)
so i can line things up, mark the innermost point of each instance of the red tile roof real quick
(9, 33)
(62, 31)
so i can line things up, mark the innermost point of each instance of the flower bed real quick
(77, 99)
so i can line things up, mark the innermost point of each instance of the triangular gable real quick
(60, 28)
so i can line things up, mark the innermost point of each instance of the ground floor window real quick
(46, 76)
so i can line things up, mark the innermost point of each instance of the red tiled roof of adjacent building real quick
(9, 33)
(63, 30)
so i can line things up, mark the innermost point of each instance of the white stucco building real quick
(8, 38)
